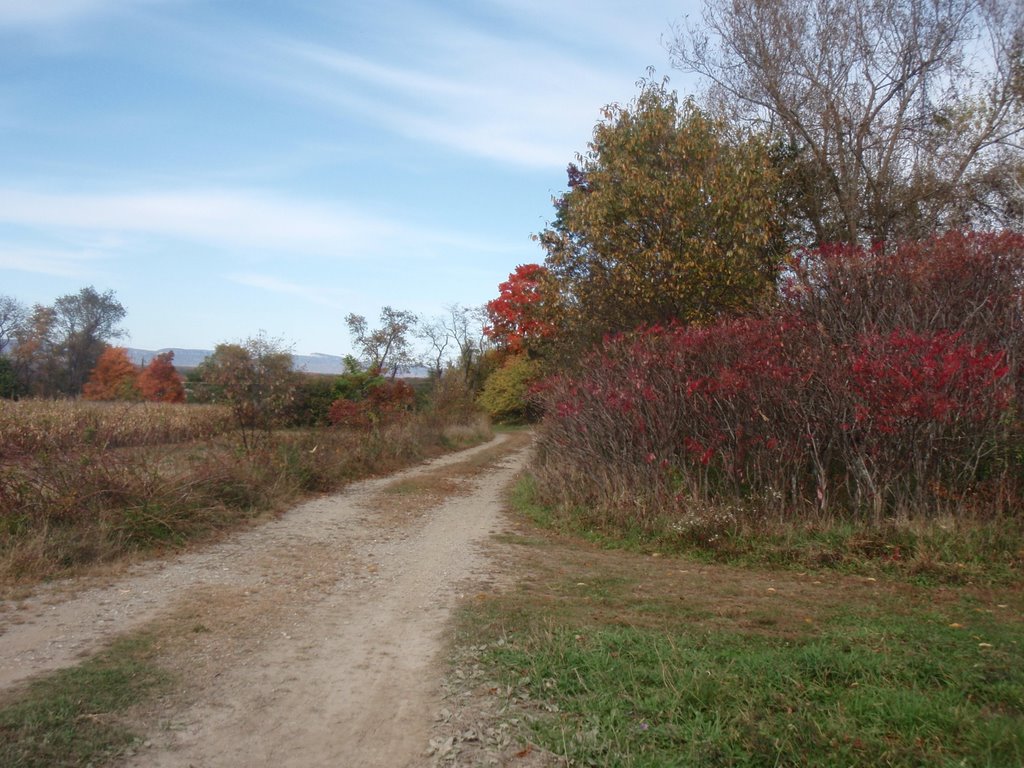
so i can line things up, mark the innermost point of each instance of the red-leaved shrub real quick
(885, 383)
(385, 403)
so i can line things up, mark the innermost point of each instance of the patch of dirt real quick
(317, 639)
(482, 722)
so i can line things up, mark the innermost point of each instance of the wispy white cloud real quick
(216, 217)
(54, 13)
(526, 93)
(55, 262)
(273, 284)
(601, 24)
(239, 220)
(521, 97)
(515, 103)
(36, 12)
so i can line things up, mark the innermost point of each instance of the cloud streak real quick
(272, 284)
(526, 101)
(217, 217)
(510, 109)
(41, 14)
(226, 219)
(67, 263)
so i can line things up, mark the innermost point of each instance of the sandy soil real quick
(315, 640)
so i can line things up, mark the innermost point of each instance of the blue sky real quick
(234, 166)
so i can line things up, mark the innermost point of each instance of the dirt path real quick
(314, 640)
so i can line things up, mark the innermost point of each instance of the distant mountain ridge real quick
(315, 363)
(192, 358)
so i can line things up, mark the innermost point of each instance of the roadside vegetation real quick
(757, 336)
(119, 475)
(775, 352)
(613, 657)
(71, 717)
(70, 505)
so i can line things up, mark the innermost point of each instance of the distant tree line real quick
(50, 350)
(66, 349)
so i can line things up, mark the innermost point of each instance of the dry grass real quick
(71, 499)
(414, 495)
(30, 426)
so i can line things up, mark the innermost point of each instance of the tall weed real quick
(70, 506)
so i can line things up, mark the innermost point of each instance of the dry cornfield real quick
(85, 483)
(29, 426)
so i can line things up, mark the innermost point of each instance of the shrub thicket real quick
(885, 384)
(506, 395)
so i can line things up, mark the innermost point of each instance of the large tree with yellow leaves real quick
(669, 216)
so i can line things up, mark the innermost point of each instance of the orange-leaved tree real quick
(159, 381)
(113, 378)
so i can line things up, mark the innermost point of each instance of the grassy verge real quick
(71, 717)
(929, 552)
(620, 658)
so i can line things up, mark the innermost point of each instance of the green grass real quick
(624, 657)
(971, 551)
(896, 691)
(70, 717)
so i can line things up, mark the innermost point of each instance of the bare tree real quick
(466, 327)
(85, 322)
(892, 117)
(385, 349)
(435, 333)
(13, 316)
(455, 339)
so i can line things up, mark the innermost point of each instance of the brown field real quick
(30, 426)
(85, 485)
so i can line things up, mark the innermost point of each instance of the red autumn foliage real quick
(385, 402)
(351, 414)
(515, 316)
(864, 393)
(905, 378)
(160, 382)
(969, 283)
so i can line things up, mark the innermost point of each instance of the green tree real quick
(669, 216)
(9, 387)
(897, 119)
(84, 323)
(256, 379)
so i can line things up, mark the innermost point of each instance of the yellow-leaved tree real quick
(670, 216)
